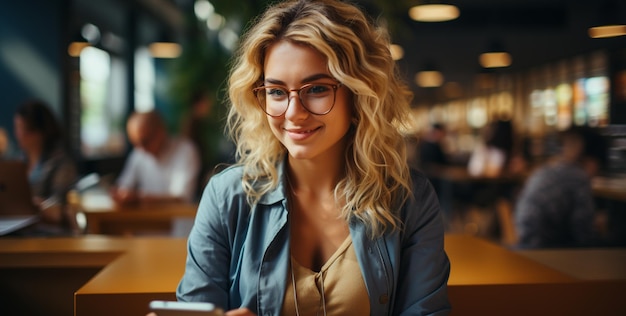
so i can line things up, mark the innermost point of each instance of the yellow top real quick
(339, 280)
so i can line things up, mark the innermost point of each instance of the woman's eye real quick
(318, 89)
(276, 92)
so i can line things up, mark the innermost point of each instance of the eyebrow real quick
(304, 81)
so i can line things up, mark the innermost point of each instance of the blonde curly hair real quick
(377, 177)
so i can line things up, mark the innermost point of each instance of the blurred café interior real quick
(542, 66)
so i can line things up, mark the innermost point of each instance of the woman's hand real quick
(49, 209)
(124, 196)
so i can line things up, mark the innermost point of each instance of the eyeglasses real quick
(317, 98)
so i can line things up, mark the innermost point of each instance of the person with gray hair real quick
(160, 167)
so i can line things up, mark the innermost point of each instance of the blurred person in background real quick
(431, 154)
(500, 166)
(556, 206)
(160, 167)
(498, 173)
(432, 159)
(491, 156)
(51, 171)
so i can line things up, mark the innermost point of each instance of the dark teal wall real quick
(31, 55)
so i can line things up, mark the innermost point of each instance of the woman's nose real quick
(295, 108)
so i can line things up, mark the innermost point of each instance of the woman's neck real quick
(313, 176)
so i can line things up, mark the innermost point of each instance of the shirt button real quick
(383, 299)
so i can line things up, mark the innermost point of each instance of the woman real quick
(492, 158)
(51, 172)
(321, 214)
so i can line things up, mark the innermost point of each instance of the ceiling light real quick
(495, 59)
(607, 31)
(609, 21)
(429, 79)
(165, 50)
(397, 52)
(434, 12)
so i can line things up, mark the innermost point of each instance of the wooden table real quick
(594, 264)
(109, 275)
(105, 217)
(485, 278)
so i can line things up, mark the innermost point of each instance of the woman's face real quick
(306, 135)
(25, 138)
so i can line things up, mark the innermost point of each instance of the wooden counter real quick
(103, 216)
(485, 278)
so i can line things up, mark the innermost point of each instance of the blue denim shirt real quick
(238, 254)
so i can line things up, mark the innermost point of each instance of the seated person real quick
(160, 167)
(431, 154)
(490, 158)
(51, 171)
(556, 207)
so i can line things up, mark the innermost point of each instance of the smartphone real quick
(174, 308)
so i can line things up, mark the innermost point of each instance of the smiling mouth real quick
(303, 131)
(301, 135)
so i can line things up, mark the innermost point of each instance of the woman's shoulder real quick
(418, 179)
(227, 176)
(229, 170)
(422, 200)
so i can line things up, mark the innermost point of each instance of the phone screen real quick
(174, 308)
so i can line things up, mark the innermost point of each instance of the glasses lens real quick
(316, 98)
(273, 99)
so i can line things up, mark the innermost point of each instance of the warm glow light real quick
(434, 12)
(165, 50)
(429, 79)
(495, 59)
(75, 48)
(607, 31)
(396, 52)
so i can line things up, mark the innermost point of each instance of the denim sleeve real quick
(424, 266)
(206, 277)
